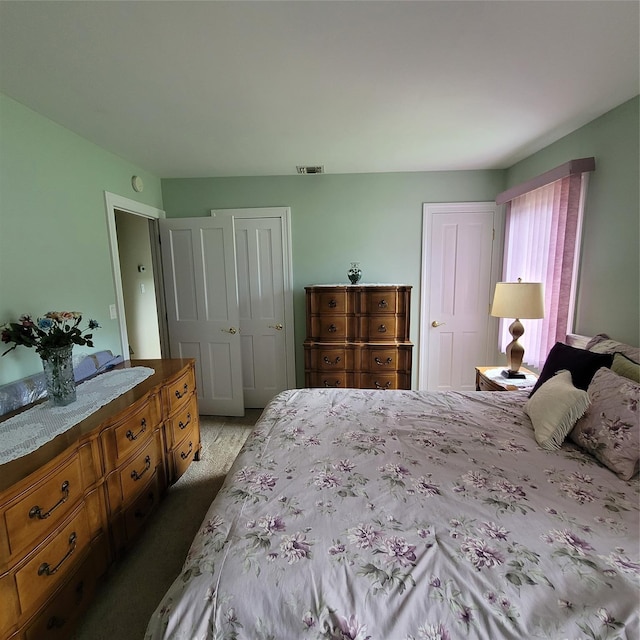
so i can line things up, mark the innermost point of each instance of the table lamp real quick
(517, 300)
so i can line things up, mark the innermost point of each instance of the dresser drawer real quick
(179, 424)
(184, 453)
(47, 569)
(380, 328)
(129, 481)
(338, 380)
(381, 301)
(44, 506)
(382, 381)
(329, 327)
(376, 360)
(137, 427)
(332, 301)
(143, 506)
(330, 359)
(55, 620)
(179, 392)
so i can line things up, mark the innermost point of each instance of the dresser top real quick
(360, 284)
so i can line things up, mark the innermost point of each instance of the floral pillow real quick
(610, 429)
(602, 343)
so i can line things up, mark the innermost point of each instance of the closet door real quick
(198, 259)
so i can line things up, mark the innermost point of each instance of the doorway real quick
(137, 270)
(459, 265)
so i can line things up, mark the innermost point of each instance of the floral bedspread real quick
(405, 515)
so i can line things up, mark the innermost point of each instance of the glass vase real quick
(58, 373)
(354, 273)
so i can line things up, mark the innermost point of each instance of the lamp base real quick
(507, 373)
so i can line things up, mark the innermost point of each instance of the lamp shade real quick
(518, 300)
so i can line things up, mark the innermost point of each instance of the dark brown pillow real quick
(581, 363)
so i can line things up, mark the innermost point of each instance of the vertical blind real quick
(542, 241)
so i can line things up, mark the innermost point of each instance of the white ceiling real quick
(196, 89)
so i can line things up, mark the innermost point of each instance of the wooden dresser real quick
(358, 336)
(71, 507)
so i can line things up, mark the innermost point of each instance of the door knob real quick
(231, 330)
(435, 324)
(277, 327)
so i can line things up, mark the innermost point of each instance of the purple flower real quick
(395, 471)
(326, 480)
(435, 582)
(295, 547)
(351, 629)
(364, 536)
(568, 539)
(480, 555)
(271, 524)
(211, 526)
(398, 550)
(622, 563)
(308, 620)
(345, 466)
(263, 481)
(425, 487)
(475, 479)
(336, 549)
(494, 531)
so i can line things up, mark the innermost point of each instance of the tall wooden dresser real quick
(358, 336)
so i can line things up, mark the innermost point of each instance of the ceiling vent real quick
(310, 170)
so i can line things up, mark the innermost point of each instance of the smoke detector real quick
(309, 170)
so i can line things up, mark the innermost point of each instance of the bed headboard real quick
(576, 340)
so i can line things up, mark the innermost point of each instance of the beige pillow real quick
(626, 367)
(554, 409)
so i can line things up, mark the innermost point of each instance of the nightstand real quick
(491, 379)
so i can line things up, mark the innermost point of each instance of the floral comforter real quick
(406, 515)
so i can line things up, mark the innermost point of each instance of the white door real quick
(456, 289)
(202, 307)
(265, 296)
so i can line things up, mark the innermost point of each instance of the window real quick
(542, 244)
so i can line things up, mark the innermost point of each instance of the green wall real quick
(375, 219)
(54, 250)
(609, 281)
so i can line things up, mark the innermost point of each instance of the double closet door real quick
(229, 305)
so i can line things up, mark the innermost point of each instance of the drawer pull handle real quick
(332, 328)
(387, 361)
(55, 623)
(184, 392)
(147, 465)
(36, 511)
(184, 425)
(139, 513)
(45, 567)
(383, 304)
(380, 386)
(382, 329)
(335, 384)
(332, 304)
(327, 361)
(131, 436)
(184, 455)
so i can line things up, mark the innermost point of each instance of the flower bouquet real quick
(52, 336)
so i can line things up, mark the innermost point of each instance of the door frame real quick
(284, 213)
(112, 202)
(428, 211)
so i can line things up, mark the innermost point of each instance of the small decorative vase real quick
(354, 273)
(58, 373)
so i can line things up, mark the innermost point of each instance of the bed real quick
(407, 515)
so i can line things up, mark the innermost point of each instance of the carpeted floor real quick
(135, 585)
